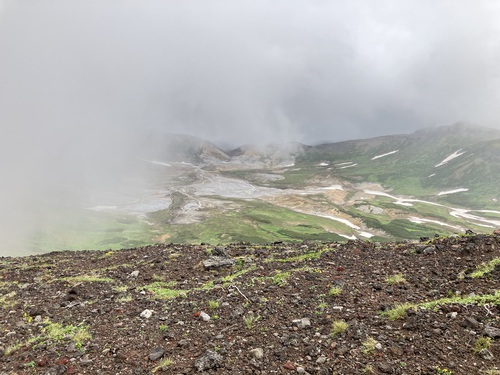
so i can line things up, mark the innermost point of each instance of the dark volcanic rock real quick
(217, 262)
(209, 360)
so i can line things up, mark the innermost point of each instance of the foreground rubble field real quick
(313, 308)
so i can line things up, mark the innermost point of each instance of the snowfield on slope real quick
(381, 156)
(456, 154)
(452, 191)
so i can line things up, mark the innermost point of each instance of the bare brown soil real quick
(272, 312)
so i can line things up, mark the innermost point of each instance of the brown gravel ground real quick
(80, 312)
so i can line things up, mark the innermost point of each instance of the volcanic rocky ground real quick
(252, 309)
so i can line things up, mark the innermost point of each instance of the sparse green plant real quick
(338, 326)
(443, 371)
(120, 289)
(163, 328)
(27, 318)
(124, 299)
(86, 278)
(162, 290)
(335, 291)
(281, 278)
(369, 345)
(6, 300)
(212, 304)
(491, 371)
(398, 311)
(13, 348)
(322, 306)
(482, 343)
(485, 268)
(250, 320)
(30, 364)
(58, 332)
(368, 369)
(231, 277)
(164, 363)
(397, 278)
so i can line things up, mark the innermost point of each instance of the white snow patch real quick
(366, 234)
(333, 187)
(458, 213)
(451, 157)
(339, 164)
(464, 214)
(340, 220)
(349, 166)
(452, 191)
(418, 220)
(323, 164)
(353, 237)
(431, 175)
(381, 156)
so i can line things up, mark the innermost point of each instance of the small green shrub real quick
(338, 327)
(482, 343)
(369, 345)
(212, 304)
(397, 278)
(250, 320)
(335, 291)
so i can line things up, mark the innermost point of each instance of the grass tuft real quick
(485, 268)
(164, 363)
(338, 327)
(397, 278)
(335, 291)
(482, 343)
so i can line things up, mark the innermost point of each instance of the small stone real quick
(156, 354)
(86, 361)
(385, 368)
(56, 370)
(396, 350)
(204, 316)
(492, 332)
(257, 353)
(429, 250)
(378, 346)
(134, 273)
(289, 366)
(301, 370)
(471, 323)
(486, 354)
(321, 360)
(452, 315)
(302, 323)
(146, 314)
(209, 360)
(217, 262)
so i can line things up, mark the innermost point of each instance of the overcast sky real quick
(244, 71)
(78, 79)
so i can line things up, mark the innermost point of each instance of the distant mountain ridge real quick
(188, 190)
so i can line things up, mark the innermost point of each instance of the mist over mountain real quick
(180, 188)
(89, 90)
